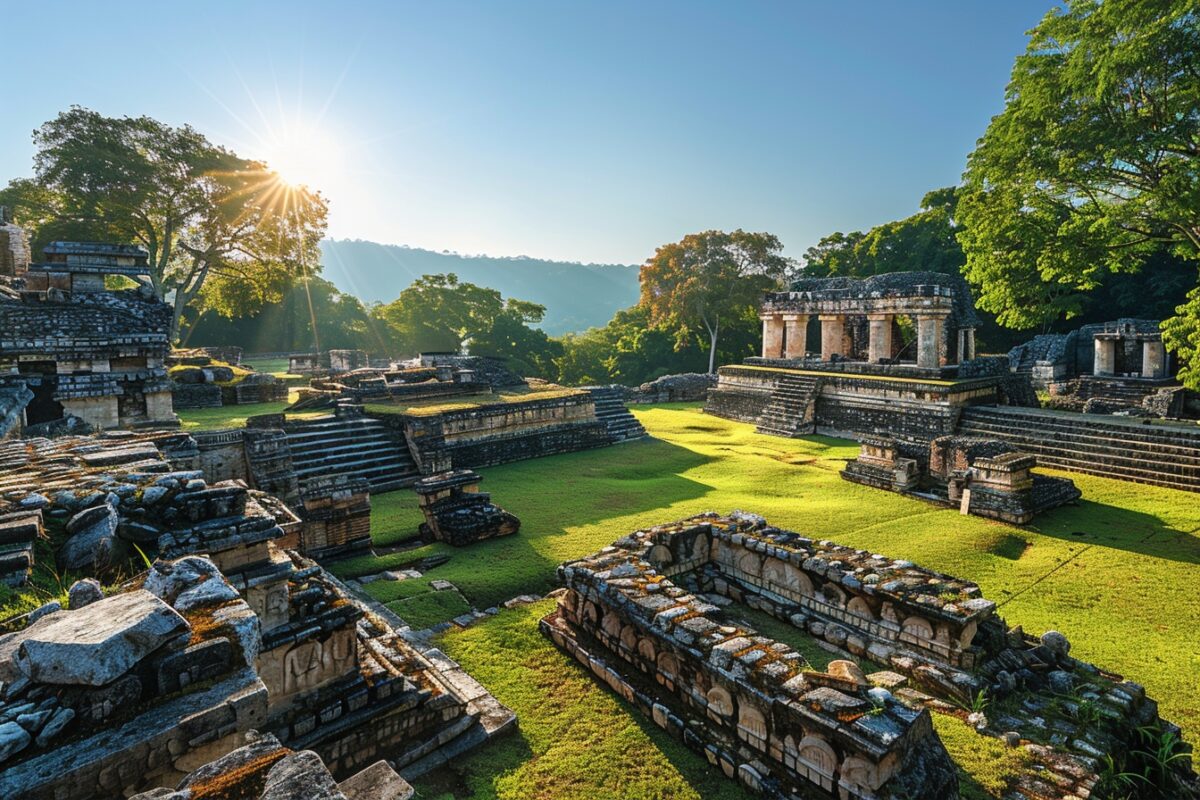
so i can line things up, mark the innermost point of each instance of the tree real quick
(224, 233)
(708, 279)
(924, 242)
(440, 313)
(1094, 164)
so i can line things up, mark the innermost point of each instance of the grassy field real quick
(1114, 573)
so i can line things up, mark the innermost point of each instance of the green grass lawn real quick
(1116, 574)
(208, 419)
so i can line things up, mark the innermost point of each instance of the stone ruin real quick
(985, 477)
(654, 616)
(201, 379)
(327, 362)
(457, 513)
(1118, 367)
(263, 769)
(313, 666)
(92, 357)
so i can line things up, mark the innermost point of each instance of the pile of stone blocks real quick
(337, 515)
(986, 477)
(114, 692)
(263, 769)
(20, 531)
(457, 513)
(932, 640)
(84, 351)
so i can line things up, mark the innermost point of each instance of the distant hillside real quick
(576, 296)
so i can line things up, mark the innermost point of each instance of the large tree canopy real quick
(708, 280)
(224, 233)
(924, 242)
(441, 313)
(1094, 164)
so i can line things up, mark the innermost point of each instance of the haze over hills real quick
(576, 296)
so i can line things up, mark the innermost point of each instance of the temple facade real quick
(860, 319)
(83, 349)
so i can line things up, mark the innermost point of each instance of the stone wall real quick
(498, 433)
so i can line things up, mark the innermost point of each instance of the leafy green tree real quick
(924, 241)
(707, 280)
(441, 313)
(224, 233)
(1094, 164)
(342, 322)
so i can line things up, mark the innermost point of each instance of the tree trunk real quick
(712, 344)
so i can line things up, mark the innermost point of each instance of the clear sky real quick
(584, 131)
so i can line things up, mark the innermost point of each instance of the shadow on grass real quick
(1104, 525)
(490, 761)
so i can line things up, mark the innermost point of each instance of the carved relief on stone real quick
(859, 606)
(309, 664)
(918, 627)
(817, 754)
(719, 701)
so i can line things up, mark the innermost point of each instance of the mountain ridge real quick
(577, 296)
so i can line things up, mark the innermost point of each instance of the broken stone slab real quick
(377, 782)
(91, 546)
(84, 592)
(300, 776)
(99, 643)
(13, 739)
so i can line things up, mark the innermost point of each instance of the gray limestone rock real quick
(1056, 643)
(43, 610)
(57, 723)
(377, 782)
(13, 739)
(92, 545)
(301, 776)
(86, 518)
(168, 579)
(98, 643)
(84, 592)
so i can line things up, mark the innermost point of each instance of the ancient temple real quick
(85, 350)
(859, 319)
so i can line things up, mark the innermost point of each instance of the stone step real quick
(1109, 426)
(1083, 433)
(1135, 456)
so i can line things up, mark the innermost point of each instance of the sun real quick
(304, 155)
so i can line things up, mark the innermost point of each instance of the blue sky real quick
(579, 131)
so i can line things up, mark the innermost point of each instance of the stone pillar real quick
(879, 346)
(970, 344)
(1154, 359)
(833, 335)
(772, 336)
(796, 338)
(1106, 357)
(929, 341)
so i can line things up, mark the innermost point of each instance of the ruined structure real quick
(1117, 367)
(940, 306)
(263, 769)
(329, 674)
(457, 513)
(646, 616)
(327, 362)
(984, 477)
(83, 350)
(865, 379)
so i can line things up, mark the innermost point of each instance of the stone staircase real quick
(1129, 450)
(791, 411)
(610, 410)
(353, 445)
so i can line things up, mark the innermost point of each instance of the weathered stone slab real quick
(99, 643)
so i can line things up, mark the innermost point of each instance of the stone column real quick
(796, 339)
(970, 343)
(1154, 359)
(772, 336)
(833, 335)
(879, 345)
(1106, 356)
(929, 336)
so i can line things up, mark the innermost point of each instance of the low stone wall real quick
(498, 433)
(195, 395)
(856, 404)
